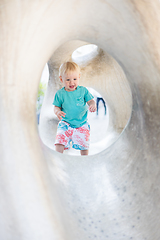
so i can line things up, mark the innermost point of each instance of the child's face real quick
(70, 80)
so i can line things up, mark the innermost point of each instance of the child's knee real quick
(59, 148)
(84, 152)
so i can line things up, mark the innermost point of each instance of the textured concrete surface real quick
(112, 195)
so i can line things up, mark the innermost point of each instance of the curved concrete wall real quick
(46, 195)
(99, 71)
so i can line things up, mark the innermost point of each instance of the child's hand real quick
(60, 114)
(92, 108)
(92, 105)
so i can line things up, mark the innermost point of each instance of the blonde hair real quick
(68, 67)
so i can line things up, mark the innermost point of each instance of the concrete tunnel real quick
(113, 194)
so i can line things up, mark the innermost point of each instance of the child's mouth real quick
(71, 86)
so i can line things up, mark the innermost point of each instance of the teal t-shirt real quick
(74, 105)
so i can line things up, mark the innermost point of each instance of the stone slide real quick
(114, 194)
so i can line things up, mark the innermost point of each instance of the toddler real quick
(71, 109)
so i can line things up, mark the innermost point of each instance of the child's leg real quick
(59, 148)
(62, 137)
(84, 152)
(80, 138)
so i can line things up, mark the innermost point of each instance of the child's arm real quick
(92, 105)
(59, 113)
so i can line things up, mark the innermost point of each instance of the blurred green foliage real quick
(41, 92)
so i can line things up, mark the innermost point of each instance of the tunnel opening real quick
(101, 74)
(85, 53)
(41, 91)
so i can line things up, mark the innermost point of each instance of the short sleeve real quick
(57, 100)
(88, 96)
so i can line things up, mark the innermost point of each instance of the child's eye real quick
(75, 78)
(67, 79)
